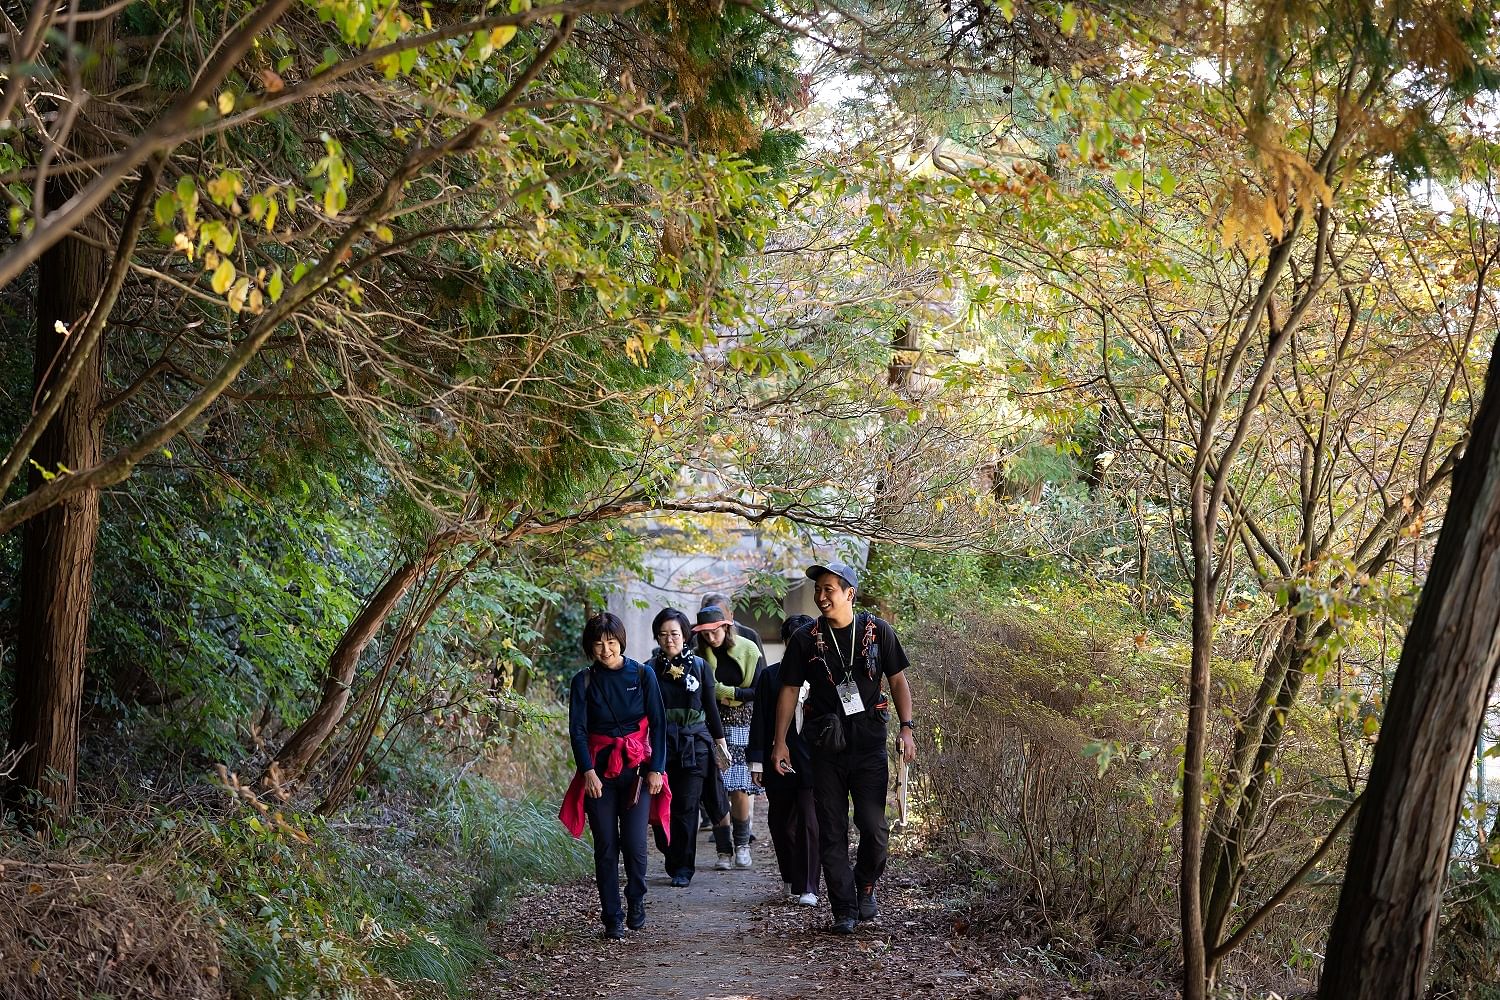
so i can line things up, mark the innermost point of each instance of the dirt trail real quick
(713, 939)
(731, 936)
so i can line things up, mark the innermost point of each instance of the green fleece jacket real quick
(734, 673)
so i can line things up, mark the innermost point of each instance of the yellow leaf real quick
(1272, 219)
(223, 276)
(226, 102)
(1229, 229)
(502, 35)
(237, 294)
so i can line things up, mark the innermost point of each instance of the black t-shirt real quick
(881, 655)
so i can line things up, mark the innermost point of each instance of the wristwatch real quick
(911, 724)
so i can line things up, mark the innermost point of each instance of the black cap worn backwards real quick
(840, 570)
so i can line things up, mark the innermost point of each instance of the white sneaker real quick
(808, 899)
(725, 862)
(742, 857)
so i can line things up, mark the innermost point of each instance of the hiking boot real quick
(614, 931)
(725, 863)
(842, 925)
(635, 918)
(808, 899)
(742, 856)
(867, 908)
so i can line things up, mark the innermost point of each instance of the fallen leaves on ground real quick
(922, 946)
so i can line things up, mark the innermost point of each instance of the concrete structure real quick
(679, 580)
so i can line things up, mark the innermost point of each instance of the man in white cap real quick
(845, 657)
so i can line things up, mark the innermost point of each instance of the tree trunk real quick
(1257, 741)
(304, 745)
(1382, 934)
(1195, 739)
(1194, 952)
(57, 548)
(417, 618)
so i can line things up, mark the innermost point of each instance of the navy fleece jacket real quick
(612, 703)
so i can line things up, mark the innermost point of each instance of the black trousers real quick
(861, 774)
(688, 783)
(793, 818)
(715, 800)
(619, 828)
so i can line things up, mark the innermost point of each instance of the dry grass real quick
(71, 928)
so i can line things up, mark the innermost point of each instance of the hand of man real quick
(757, 779)
(721, 754)
(781, 759)
(908, 745)
(592, 786)
(653, 782)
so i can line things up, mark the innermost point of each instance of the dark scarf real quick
(674, 667)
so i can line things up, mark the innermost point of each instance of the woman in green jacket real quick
(734, 662)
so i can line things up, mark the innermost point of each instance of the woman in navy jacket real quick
(617, 727)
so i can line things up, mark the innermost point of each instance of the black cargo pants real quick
(861, 773)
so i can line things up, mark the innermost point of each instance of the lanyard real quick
(849, 666)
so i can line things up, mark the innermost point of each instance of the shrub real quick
(1047, 762)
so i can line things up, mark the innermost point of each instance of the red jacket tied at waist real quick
(632, 750)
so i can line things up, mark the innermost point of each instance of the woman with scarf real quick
(617, 728)
(695, 738)
(735, 665)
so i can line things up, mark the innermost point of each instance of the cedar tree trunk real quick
(1383, 931)
(57, 550)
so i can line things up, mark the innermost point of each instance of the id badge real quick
(849, 697)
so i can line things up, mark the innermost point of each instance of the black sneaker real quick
(614, 932)
(680, 881)
(635, 918)
(867, 908)
(842, 925)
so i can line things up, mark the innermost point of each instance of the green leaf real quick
(166, 208)
(1103, 752)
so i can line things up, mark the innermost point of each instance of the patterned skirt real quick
(737, 735)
